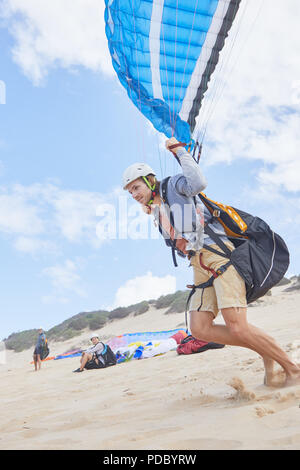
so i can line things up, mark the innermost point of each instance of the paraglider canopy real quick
(164, 53)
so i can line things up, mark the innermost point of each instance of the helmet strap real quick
(152, 188)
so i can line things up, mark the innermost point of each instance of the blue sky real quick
(68, 130)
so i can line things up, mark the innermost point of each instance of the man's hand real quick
(172, 144)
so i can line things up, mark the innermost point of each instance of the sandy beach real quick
(211, 400)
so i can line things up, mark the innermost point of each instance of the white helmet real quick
(135, 171)
(94, 335)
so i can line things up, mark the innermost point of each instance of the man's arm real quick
(192, 181)
(94, 349)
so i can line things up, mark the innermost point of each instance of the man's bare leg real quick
(259, 341)
(269, 371)
(238, 332)
(202, 327)
(84, 359)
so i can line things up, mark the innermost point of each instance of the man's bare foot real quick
(269, 371)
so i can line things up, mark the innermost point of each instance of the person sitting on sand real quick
(94, 357)
(38, 350)
(228, 292)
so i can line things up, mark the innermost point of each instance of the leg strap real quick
(215, 275)
(203, 286)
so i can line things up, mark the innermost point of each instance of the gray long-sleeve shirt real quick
(186, 206)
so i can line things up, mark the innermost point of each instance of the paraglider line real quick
(211, 65)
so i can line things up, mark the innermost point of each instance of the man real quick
(228, 292)
(38, 350)
(94, 357)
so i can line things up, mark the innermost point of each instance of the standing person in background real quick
(38, 350)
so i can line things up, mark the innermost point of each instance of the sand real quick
(212, 400)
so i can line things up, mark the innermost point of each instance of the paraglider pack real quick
(108, 356)
(191, 345)
(260, 256)
(45, 350)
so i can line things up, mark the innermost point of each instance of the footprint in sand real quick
(262, 411)
(128, 392)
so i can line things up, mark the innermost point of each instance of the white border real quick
(154, 45)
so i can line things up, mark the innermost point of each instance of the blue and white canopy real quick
(164, 52)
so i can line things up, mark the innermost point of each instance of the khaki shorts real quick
(228, 290)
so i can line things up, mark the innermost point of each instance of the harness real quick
(172, 242)
(215, 274)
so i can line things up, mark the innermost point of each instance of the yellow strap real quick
(232, 213)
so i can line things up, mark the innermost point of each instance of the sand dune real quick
(212, 400)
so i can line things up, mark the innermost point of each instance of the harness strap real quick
(175, 146)
(172, 242)
(217, 240)
(213, 250)
(215, 275)
(225, 253)
(203, 286)
(174, 257)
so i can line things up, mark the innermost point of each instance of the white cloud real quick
(17, 216)
(64, 278)
(256, 116)
(254, 87)
(57, 33)
(144, 288)
(280, 211)
(284, 174)
(75, 214)
(40, 216)
(257, 110)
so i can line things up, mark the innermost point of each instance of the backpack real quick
(45, 350)
(108, 356)
(261, 257)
